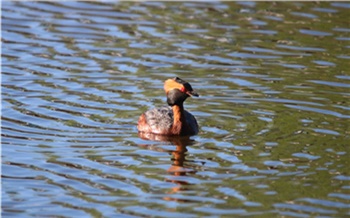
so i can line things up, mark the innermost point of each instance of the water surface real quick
(273, 112)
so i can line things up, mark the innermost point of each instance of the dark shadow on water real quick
(178, 169)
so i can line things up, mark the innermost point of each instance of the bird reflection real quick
(177, 169)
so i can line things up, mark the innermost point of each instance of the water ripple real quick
(273, 111)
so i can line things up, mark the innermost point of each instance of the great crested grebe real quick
(172, 120)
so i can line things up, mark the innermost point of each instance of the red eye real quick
(182, 89)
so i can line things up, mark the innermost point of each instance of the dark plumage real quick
(172, 119)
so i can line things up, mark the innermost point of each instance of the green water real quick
(273, 110)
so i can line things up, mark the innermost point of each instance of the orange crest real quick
(172, 84)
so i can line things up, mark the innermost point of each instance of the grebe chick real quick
(172, 120)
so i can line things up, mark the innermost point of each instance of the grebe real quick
(172, 120)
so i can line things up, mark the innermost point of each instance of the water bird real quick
(171, 120)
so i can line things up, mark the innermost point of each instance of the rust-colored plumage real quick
(174, 119)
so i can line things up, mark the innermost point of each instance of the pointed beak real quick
(192, 93)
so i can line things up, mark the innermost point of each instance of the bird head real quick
(178, 90)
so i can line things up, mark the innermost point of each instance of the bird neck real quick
(179, 119)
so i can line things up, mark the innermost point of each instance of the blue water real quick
(273, 109)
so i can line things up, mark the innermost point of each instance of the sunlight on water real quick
(273, 111)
